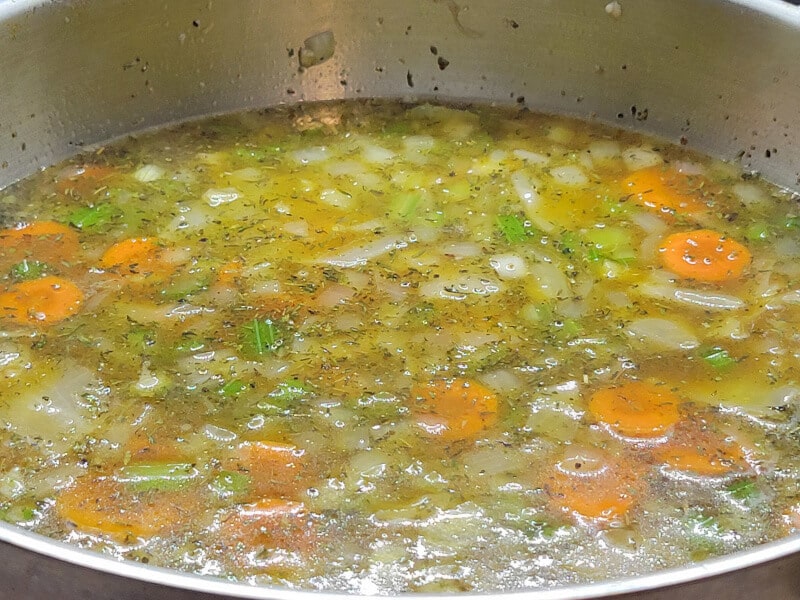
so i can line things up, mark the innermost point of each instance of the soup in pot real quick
(378, 348)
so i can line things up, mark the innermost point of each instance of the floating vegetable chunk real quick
(382, 348)
(45, 300)
(704, 255)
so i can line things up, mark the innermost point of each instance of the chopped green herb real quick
(92, 216)
(514, 228)
(262, 337)
(718, 358)
(28, 269)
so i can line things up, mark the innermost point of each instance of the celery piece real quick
(257, 154)
(28, 269)
(288, 392)
(405, 206)
(145, 477)
(233, 387)
(229, 483)
(757, 232)
(92, 216)
(613, 243)
(381, 405)
(744, 489)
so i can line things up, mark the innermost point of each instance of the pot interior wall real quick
(718, 76)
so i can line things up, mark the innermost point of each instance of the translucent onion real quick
(636, 158)
(533, 158)
(148, 173)
(313, 154)
(360, 255)
(699, 299)
(604, 150)
(663, 334)
(569, 175)
(526, 190)
(509, 266)
(218, 197)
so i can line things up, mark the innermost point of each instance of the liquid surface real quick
(382, 348)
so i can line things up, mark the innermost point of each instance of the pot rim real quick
(779, 10)
(202, 583)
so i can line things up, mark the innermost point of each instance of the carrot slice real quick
(227, 273)
(704, 255)
(636, 409)
(134, 255)
(591, 483)
(454, 410)
(703, 453)
(268, 523)
(46, 300)
(665, 190)
(45, 241)
(275, 470)
(84, 179)
(105, 506)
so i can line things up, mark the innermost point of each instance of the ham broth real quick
(378, 348)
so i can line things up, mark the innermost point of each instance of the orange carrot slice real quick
(268, 523)
(591, 483)
(46, 300)
(454, 410)
(704, 255)
(105, 506)
(636, 409)
(665, 190)
(275, 470)
(84, 180)
(134, 255)
(703, 453)
(45, 241)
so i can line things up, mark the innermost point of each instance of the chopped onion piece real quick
(459, 250)
(359, 255)
(459, 289)
(636, 158)
(533, 158)
(531, 202)
(297, 228)
(218, 434)
(377, 154)
(663, 334)
(218, 197)
(570, 175)
(705, 301)
(250, 174)
(148, 173)
(336, 198)
(419, 143)
(750, 194)
(307, 156)
(334, 294)
(509, 266)
(552, 282)
(604, 150)
(560, 134)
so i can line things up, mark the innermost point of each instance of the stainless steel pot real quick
(720, 76)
